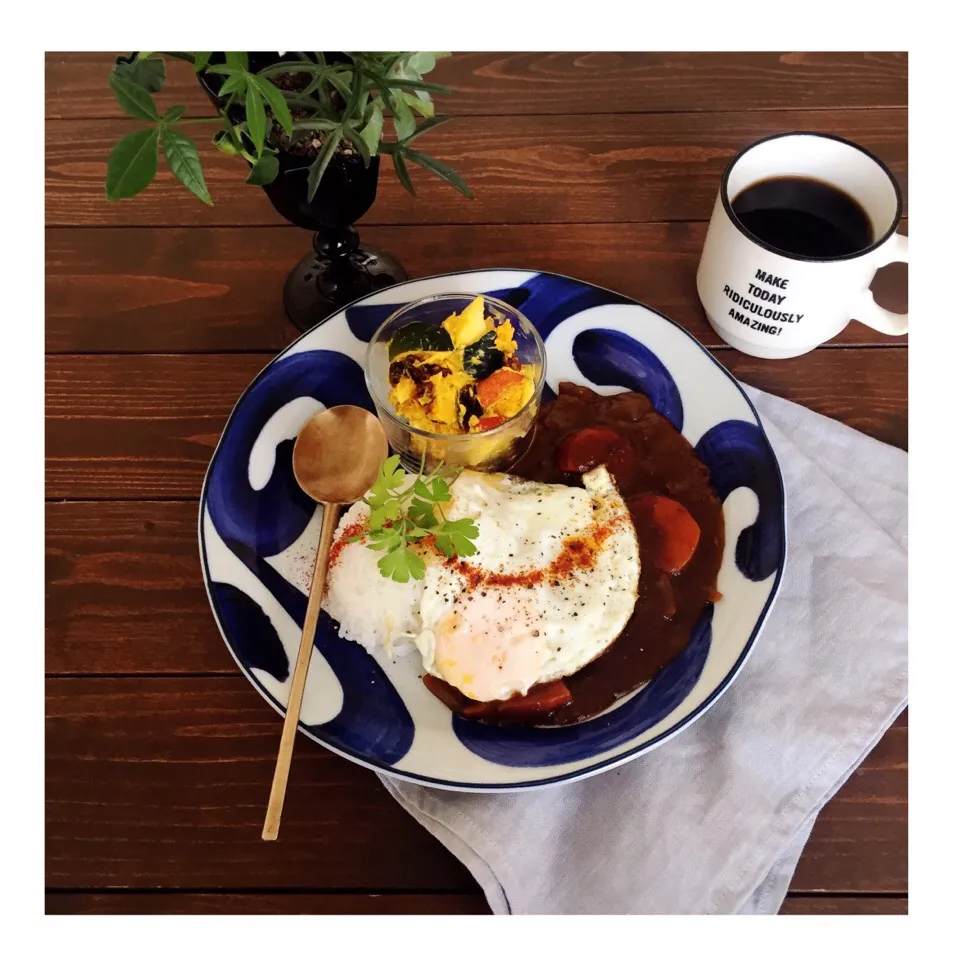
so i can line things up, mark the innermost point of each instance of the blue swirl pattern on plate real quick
(545, 300)
(738, 454)
(374, 721)
(610, 358)
(254, 639)
(540, 747)
(256, 524)
(269, 520)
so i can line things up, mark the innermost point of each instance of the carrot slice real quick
(585, 449)
(675, 533)
(538, 700)
(448, 695)
(491, 389)
(488, 423)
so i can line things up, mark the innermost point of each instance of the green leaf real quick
(235, 83)
(382, 535)
(388, 543)
(239, 61)
(377, 497)
(225, 143)
(399, 83)
(174, 113)
(222, 68)
(386, 538)
(401, 564)
(278, 106)
(456, 538)
(421, 512)
(200, 60)
(315, 123)
(463, 528)
(181, 154)
(341, 81)
(384, 63)
(389, 478)
(132, 164)
(319, 99)
(373, 128)
(256, 117)
(439, 490)
(265, 170)
(134, 100)
(421, 63)
(403, 121)
(319, 166)
(423, 107)
(392, 526)
(441, 170)
(391, 472)
(313, 106)
(354, 137)
(356, 106)
(421, 489)
(148, 73)
(403, 174)
(390, 511)
(445, 545)
(426, 127)
(463, 546)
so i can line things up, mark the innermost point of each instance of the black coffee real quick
(807, 218)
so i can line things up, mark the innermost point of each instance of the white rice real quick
(371, 610)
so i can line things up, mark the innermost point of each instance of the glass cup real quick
(492, 450)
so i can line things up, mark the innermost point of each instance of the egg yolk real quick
(489, 645)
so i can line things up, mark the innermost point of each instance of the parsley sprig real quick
(399, 518)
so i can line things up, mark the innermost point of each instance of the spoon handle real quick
(271, 824)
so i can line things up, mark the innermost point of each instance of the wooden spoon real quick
(336, 459)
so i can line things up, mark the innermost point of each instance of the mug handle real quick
(867, 310)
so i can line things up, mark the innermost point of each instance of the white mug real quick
(770, 303)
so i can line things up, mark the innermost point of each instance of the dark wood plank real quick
(163, 782)
(571, 83)
(379, 904)
(844, 906)
(428, 904)
(179, 290)
(841, 384)
(124, 591)
(590, 169)
(144, 427)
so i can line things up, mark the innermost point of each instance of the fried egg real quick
(552, 585)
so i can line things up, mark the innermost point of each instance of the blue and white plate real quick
(258, 537)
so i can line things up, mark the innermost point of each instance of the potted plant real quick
(312, 128)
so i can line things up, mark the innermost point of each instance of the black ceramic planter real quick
(339, 269)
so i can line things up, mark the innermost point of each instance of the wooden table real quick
(159, 312)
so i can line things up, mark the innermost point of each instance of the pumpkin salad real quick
(461, 377)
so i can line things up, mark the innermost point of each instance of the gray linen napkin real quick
(714, 821)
